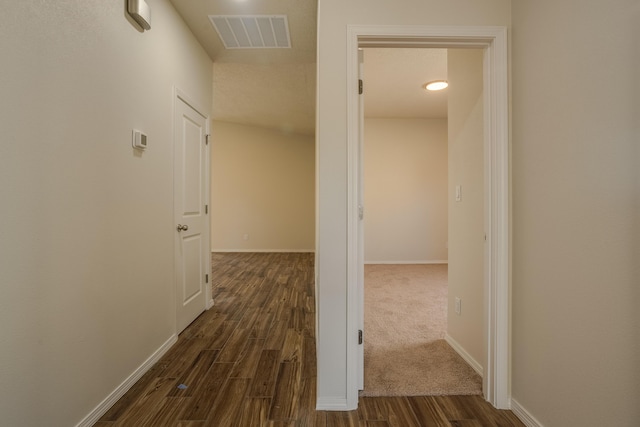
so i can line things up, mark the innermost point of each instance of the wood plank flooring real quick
(250, 361)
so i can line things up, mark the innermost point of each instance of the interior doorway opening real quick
(495, 323)
(410, 210)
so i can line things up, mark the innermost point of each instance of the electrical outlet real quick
(245, 237)
(458, 305)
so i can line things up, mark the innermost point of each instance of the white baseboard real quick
(444, 261)
(466, 356)
(210, 304)
(331, 404)
(116, 394)
(524, 415)
(295, 251)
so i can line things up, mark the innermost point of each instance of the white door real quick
(191, 212)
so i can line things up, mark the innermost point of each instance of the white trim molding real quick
(443, 261)
(455, 345)
(284, 251)
(116, 394)
(332, 404)
(493, 40)
(524, 415)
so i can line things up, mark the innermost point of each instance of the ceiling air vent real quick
(252, 31)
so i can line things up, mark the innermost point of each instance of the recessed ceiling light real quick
(436, 85)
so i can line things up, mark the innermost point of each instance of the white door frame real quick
(496, 148)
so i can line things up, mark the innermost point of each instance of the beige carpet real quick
(405, 353)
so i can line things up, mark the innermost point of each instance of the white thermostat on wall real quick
(139, 140)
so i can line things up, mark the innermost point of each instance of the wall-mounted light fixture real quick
(140, 11)
(436, 85)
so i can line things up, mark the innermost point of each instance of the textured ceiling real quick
(280, 96)
(393, 80)
(275, 88)
(301, 15)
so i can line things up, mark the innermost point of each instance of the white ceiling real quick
(281, 96)
(301, 15)
(275, 88)
(393, 80)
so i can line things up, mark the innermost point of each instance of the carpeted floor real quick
(405, 353)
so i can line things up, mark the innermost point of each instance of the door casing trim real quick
(496, 152)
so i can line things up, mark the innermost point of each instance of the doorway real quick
(493, 42)
(410, 211)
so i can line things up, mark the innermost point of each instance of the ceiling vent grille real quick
(252, 31)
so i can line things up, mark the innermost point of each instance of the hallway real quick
(250, 361)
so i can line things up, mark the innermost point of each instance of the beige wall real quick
(262, 186)
(333, 18)
(466, 217)
(576, 211)
(405, 190)
(86, 250)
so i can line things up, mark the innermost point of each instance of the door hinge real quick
(206, 278)
(361, 212)
(360, 338)
(206, 139)
(206, 209)
(360, 87)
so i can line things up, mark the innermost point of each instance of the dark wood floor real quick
(250, 361)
